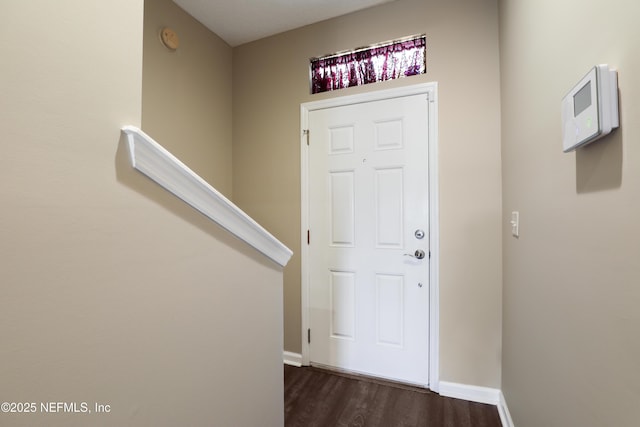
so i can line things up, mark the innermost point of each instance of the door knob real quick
(419, 254)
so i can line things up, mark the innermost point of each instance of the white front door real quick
(368, 223)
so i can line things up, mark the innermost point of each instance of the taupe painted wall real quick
(572, 280)
(271, 80)
(113, 291)
(186, 94)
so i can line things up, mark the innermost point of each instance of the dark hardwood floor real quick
(316, 397)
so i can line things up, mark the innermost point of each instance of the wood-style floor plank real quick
(319, 398)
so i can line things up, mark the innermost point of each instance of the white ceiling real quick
(242, 21)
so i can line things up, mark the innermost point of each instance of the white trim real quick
(304, 224)
(153, 160)
(292, 359)
(503, 410)
(434, 245)
(431, 90)
(369, 97)
(472, 393)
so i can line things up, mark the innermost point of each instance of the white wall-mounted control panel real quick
(590, 109)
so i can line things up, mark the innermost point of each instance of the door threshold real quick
(419, 388)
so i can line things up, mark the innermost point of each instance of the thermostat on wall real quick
(590, 109)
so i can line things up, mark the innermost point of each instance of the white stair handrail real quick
(153, 160)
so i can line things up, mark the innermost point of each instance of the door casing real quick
(430, 90)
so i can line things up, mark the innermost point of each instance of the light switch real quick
(515, 223)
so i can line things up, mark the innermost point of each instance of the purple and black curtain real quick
(370, 65)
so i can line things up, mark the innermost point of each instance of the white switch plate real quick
(515, 223)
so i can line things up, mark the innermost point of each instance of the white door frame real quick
(430, 90)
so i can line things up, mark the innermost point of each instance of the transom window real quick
(387, 61)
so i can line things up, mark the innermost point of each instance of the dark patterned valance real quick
(378, 63)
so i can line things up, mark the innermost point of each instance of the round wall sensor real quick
(169, 38)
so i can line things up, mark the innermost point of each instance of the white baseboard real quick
(491, 396)
(503, 410)
(293, 359)
(470, 392)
